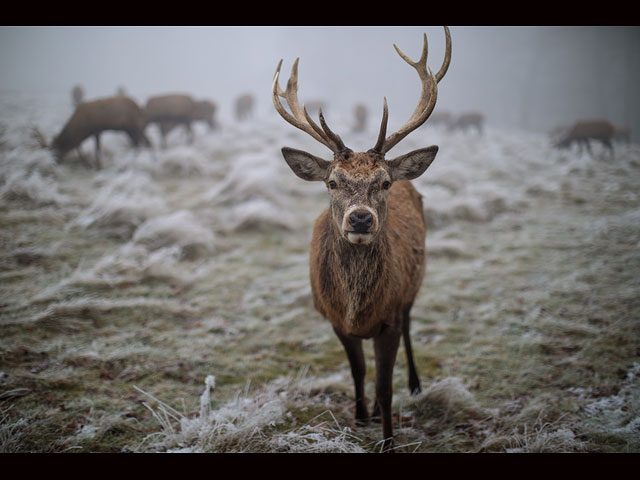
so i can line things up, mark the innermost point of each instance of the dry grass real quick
(123, 291)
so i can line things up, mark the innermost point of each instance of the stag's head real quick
(359, 182)
(60, 146)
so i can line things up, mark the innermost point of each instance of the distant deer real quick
(582, 132)
(442, 117)
(367, 257)
(244, 106)
(466, 121)
(171, 110)
(205, 111)
(622, 134)
(360, 113)
(94, 117)
(77, 95)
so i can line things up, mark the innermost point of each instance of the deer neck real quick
(358, 275)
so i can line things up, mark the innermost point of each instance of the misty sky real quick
(524, 77)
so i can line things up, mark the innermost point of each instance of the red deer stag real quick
(367, 257)
(94, 117)
(582, 132)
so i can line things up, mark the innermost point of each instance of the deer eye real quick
(386, 184)
(332, 184)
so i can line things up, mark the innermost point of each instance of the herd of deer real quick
(121, 113)
(367, 253)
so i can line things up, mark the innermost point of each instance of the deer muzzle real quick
(360, 224)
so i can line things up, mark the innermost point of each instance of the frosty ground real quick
(162, 304)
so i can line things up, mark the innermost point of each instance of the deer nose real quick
(360, 221)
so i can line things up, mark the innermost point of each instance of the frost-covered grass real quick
(125, 292)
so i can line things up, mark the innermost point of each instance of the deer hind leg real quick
(355, 354)
(98, 160)
(414, 380)
(607, 143)
(386, 348)
(165, 128)
(190, 135)
(588, 144)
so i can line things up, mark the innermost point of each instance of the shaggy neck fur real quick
(352, 275)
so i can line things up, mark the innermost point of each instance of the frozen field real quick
(162, 303)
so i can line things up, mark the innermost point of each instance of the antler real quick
(300, 117)
(427, 100)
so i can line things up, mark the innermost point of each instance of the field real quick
(162, 304)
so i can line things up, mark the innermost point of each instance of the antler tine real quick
(383, 128)
(421, 67)
(334, 137)
(298, 117)
(428, 94)
(447, 55)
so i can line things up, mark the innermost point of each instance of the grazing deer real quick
(466, 121)
(367, 257)
(244, 106)
(442, 117)
(582, 132)
(94, 117)
(205, 111)
(171, 110)
(360, 113)
(622, 134)
(77, 95)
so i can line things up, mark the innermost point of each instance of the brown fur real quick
(205, 111)
(169, 111)
(367, 256)
(367, 260)
(361, 288)
(91, 118)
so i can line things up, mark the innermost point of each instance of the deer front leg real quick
(353, 347)
(386, 348)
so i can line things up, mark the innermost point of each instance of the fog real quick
(522, 77)
(189, 262)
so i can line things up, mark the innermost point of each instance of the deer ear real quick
(413, 164)
(305, 165)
